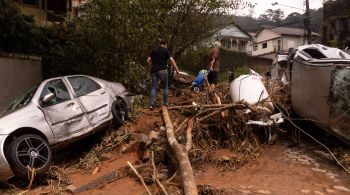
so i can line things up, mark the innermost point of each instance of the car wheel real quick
(29, 151)
(120, 112)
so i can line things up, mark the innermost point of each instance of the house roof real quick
(252, 34)
(286, 31)
(232, 30)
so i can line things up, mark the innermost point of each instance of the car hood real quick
(11, 119)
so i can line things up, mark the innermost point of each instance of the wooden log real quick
(187, 176)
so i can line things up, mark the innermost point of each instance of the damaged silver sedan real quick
(54, 113)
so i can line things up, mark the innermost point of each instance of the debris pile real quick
(203, 132)
(111, 141)
(203, 127)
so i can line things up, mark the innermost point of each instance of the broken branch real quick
(140, 177)
(155, 176)
(235, 105)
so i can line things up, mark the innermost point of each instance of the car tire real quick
(29, 150)
(120, 112)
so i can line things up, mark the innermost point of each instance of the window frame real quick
(73, 90)
(262, 45)
(42, 90)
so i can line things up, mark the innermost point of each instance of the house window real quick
(264, 45)
(290, 44)
(279, 45)
(255, 47)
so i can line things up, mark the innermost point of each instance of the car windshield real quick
(21, 101)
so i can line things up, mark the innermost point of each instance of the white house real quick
(270, 40)
(234, 38)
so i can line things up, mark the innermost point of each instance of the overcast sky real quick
(262, 5)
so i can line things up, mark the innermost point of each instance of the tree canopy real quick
(120, 34)
(276, 18)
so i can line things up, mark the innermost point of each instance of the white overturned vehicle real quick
(56, 112)
(320, 80)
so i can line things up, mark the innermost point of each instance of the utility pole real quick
(307, 22)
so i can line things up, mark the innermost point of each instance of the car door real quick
(63, 113)
(95, 100)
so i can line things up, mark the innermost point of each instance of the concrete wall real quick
(17, 76)
(268, 49)
(291, 42)
(259, 64)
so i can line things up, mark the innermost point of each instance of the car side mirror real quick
(48, 97)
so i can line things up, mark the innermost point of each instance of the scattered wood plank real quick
(105, 179)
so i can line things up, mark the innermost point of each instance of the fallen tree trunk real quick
(187, 176)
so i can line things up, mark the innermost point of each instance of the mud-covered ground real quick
(279, 168)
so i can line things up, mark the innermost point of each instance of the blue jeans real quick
(161, 75)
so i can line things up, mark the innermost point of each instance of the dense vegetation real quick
(112, 39)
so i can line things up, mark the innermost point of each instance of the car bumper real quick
(5, 170)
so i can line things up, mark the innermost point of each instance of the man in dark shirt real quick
(158, 61)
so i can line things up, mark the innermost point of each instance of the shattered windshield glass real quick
(20, 101)
(340, 102)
